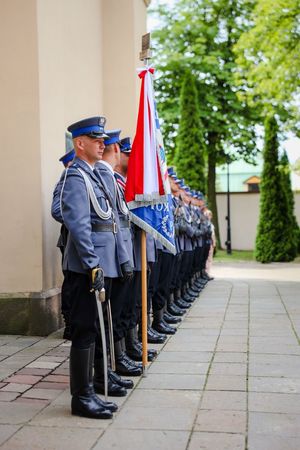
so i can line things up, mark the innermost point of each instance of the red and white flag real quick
(147, 189)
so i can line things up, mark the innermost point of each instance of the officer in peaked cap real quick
(90, 231)
(120, 285)
(120, 291)
(161, 278)
(67, 158)
(104, 170)
(131, 314)
(125, 146)
(172, 307)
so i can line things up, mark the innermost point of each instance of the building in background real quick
(241, 175)
(244, 202)
(61, 61)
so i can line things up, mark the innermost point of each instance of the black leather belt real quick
(124, 223)
(98, 227)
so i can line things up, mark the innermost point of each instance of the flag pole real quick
(145, 56)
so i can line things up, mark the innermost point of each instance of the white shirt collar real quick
(106, 164)
(89, 165)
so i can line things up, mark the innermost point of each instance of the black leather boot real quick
(175, 310)
(160, 325)
(183, 303)
(203, 278)
(180, 302)
(152, 353)
(190, 292)
(113, 407)
(187, 297)
(84, 400)
(153, 337)
(113, 389)
(134, 348)
(194, 288)
(206, 276)
(169, 318)
(123, 366)
(127, 384)
(128, 359)
(172, 308)
(199, 284)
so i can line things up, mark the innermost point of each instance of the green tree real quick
(268, 58)
(199, 35)
(287, 187)
(275, 238)
(190, 145)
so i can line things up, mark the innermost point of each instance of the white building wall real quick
(244, 215)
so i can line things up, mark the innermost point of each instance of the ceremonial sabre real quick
(100, 298)
(111, 337)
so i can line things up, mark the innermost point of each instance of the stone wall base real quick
(32, 314)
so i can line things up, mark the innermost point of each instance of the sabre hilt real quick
(97, 282)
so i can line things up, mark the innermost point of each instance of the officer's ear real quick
(79, 142)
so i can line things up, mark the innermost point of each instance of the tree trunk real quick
(211, 184)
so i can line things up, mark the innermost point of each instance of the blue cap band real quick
(112, 140)
(68, 157)
(87, 130)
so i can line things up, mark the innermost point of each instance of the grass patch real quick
(236, 255)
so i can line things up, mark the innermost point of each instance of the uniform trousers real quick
(83, 310)
(131, 313)
(206, 248)
(154, 277)
(119, 299)
(197, 260)
(176, 274)
(187, 265)
(66, 297)
(162, 288)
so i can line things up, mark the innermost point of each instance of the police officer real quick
(131, 311)
(120, 286)
(66, 160)
(174, 308)
(90, 254)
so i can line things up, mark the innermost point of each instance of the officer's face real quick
(183, 195)
(91, 149)
(124, 157)
(174, 187)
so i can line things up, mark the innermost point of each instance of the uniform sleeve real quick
(77, 218)
(55, 207)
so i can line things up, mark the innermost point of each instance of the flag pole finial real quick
(146, 52)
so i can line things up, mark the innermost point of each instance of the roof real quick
(252, 180)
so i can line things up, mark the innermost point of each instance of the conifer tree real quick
(287, 187)
(274, 240)
(190, 145)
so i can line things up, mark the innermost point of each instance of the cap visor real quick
(97, 135)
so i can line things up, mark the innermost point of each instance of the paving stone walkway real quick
(229, 379)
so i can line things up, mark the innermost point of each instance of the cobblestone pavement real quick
(229, 379)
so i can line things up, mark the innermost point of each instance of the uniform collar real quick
(106, 164)
(85, 166)
(118, 175)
